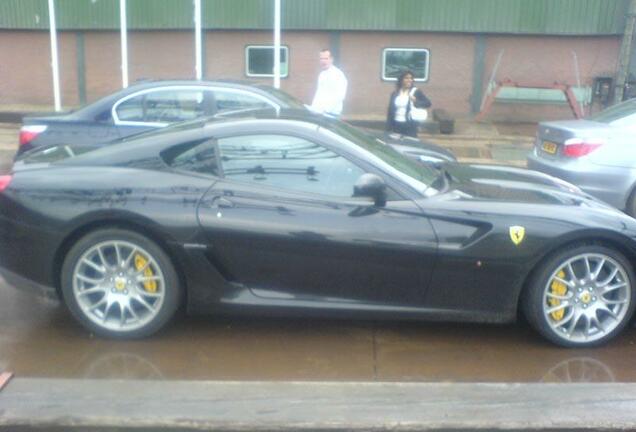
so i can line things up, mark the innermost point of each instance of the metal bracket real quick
(5, 377)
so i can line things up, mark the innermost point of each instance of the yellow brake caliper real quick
(142, 263)
(558, 288)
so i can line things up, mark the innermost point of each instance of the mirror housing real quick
(371, 186)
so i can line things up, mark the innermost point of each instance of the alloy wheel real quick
(118, 285)
(586, 297)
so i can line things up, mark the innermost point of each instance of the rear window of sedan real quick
(616, 113)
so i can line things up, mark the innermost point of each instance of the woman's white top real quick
(401, 102)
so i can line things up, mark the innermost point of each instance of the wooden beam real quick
(310, 406)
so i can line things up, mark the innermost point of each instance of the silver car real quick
(597, 154)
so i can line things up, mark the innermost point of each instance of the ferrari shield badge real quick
(517, 233)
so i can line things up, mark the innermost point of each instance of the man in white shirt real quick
(332, 87)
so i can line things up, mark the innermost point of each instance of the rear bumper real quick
(612, 185)
(27, 285)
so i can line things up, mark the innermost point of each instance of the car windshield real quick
(291, 101)
(403, 164)
(617, 112)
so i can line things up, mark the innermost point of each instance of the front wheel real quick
(120, 284)
(581, 297)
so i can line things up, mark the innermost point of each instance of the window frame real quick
(212, 89)
(247, 63)
(198, 142)
(428, 63)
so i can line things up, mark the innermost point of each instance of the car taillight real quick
(4, 182)
(576, 147)
(29, 132)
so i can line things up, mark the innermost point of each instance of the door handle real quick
(224, 203)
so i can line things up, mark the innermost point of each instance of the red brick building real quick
(457, 50)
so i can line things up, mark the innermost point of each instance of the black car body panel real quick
(440, 253)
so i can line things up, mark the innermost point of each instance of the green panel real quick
(87, 14)
(547, 96)
(566, 17)
(25, 14)
(164, 14)
(300, 15)
(239, 14)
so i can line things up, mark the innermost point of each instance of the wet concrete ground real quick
(38, 338)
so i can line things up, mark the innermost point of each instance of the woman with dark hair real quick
(401, 102)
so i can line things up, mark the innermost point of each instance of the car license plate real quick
(549, 147)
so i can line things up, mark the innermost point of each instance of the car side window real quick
(287, 162)
(195, 156)
(173, 106)
(131, 109)
(164, 106)
(229, 100)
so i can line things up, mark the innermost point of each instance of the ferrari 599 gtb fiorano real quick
(305, 216)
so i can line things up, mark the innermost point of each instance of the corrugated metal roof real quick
(567, 17)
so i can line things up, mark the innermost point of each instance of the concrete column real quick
(479, 64)
(81, 67)
(625, 52)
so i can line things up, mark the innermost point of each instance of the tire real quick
(129, 297)
(588, 308)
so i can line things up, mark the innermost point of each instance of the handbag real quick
(417, 114)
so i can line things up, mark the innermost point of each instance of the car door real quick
(281, 221)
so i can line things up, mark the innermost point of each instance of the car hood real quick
(509, 184)
(413, 147)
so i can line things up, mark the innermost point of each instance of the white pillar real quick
(54, 59)
(123, 28)
(277, 43)
(197, 39)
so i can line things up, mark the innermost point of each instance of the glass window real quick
(231, 100)
(396, 60)
(197, 156)
(619, 115)
(132, 109)
(174, 106)
(259, 61)
(165, 106)
(288, 162)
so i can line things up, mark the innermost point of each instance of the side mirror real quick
(371, 186)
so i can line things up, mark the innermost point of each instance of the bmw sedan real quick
(152, 105)
(149, 105)
(597, 154)
(309, 217)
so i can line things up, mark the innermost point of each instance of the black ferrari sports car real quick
(301, 215)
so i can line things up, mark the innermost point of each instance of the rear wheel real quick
(120, 284)
(582, 296)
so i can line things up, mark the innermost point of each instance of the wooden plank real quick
(304, 406)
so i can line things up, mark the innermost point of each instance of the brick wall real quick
(25, 73)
